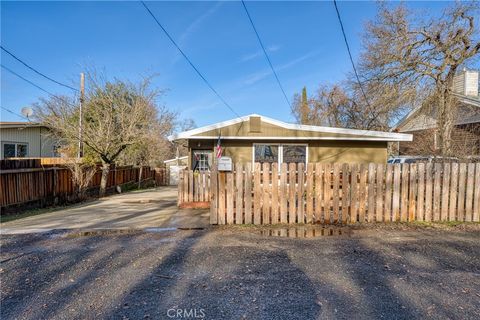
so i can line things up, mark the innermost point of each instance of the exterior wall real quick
(39, 145)
(318, 151)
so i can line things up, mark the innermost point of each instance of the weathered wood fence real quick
(339, 193)
(54, 184)
(193, 187)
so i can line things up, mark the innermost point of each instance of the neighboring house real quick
(180, 161)
(422, 121)
(26, 139)
(256, 138)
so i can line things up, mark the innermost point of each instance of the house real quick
(422, 124)
(26, 139)
(256, 138)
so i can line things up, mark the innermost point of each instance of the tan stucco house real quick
(26, 140)
(255, 138)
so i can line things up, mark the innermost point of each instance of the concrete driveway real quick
(153, 208)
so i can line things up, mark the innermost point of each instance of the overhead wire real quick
(36, 71)
(265, 53)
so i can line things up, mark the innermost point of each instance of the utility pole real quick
(80, 116)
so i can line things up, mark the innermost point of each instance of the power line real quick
(14, 113)
(36, 71)
(26, 80)
(265, 52)
(35, 85)
(349, 53)
(188, 60)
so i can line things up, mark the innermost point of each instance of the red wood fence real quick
(52, 184)
(342, 193)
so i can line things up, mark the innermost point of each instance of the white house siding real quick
(39, 145)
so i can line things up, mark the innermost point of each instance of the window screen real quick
(9, 150)
(294, 153)
(21, 150)
(266, 153)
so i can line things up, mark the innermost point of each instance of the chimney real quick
(466, 83)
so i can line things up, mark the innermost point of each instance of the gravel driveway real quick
(238, 273)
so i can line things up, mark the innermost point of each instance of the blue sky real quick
(303, 40)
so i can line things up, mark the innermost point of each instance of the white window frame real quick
(280, 151)
(16, 148)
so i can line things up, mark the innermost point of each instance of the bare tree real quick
(404, 48)
(117, 115)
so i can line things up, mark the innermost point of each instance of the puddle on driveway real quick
(112, 232)
(307, 232)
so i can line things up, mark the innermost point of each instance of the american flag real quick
(219, 147)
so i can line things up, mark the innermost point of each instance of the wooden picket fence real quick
(193, 187)
(338, 193)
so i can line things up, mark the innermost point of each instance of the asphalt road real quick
(238, 273)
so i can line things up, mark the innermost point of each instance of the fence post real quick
(445, 191)
(469, 196)
(274, 193)
(213, 197)
(292, 190)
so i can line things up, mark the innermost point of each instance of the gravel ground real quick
(239, 273)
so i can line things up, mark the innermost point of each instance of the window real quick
(202, 160)
(280, 153)
(294, 153)
(12, 150)
(266, 153)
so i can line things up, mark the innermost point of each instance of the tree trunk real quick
(103, 181)
(140, 177)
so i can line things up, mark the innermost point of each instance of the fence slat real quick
(318, 192)
(379, 211)
(371, 192)
(362, 192)
(327, 193)
(257, 210)
(230, 198)
(420, 192)
(452, 212)
(404, 194)
(354, 194)
(283, 193)
(336, 192)
(345, 192)
(266, 193)
(301, 193)
(429, 192)
(461, 192)
(437, 196)
(476, 197)
(214, 199)
(239, 194)
(445, 191)
(388, 193)
(310, 184)
(222, 219)
(292, 193)
(412, 189)
(190, 186)
(469, 192)
(248, 193)
(274, 189)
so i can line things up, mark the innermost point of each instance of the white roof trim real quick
(364, 138)
(366, 134)
(175, 159)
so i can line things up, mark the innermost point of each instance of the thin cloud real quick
(259, 53)
(257, 76)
